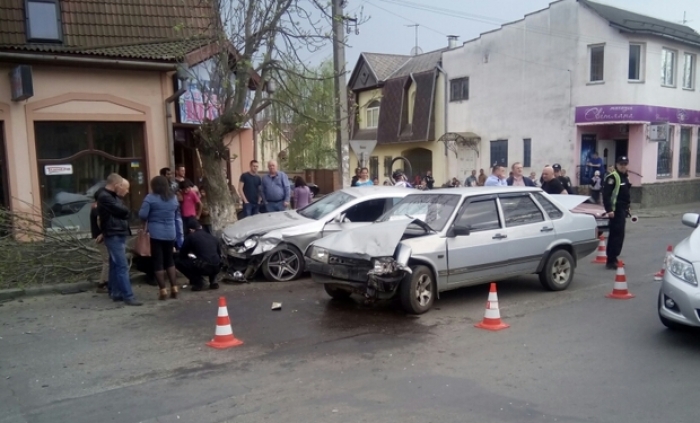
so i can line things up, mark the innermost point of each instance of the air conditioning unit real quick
(624, 129)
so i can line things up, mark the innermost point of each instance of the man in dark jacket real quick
(199, 256)
(565, 182)
(114, 225)
(617, 200)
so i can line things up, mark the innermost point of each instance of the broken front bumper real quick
(356, 277)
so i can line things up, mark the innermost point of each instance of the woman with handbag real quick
(159, 212)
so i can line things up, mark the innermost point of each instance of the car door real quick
(530, 232)
(473, 257)
(360, 214)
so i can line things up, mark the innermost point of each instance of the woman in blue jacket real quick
(160, 211)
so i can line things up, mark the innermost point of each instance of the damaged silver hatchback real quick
(445, 239)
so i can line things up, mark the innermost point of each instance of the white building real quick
(575, 78)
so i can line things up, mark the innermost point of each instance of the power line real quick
(405, 18)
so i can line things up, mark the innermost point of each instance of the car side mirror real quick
(459, 231)
(691, 219)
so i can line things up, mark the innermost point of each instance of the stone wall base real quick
(661, 194)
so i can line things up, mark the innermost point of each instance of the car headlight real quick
(383, 265)
(319, 254)
(247, 245)
(681, 269)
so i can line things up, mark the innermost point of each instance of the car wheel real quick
(558, 272)
(418, 290)
(284, 263)
(670, 324)
(336, 293)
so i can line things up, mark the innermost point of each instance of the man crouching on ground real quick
(199, 256)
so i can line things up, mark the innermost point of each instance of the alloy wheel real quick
(283, 265)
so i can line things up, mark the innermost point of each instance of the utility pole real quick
(342, 136)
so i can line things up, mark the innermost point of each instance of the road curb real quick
(63, 288)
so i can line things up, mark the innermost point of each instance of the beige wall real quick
(240, 145)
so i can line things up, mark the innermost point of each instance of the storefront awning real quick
(469, 140)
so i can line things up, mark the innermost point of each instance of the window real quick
(634, 72)
(552, 211)
(374, 167)
(387, 165)
(527, 152)
(74, 160)
(697, 156)
(688, 71)
(499, 153)
(367, 211)
(520, 210)
(668, 68)
(459, 89)
(433, 209)
(325, 205)
(411, 106)
(373, 114)
(479, 216)
(597, 62)
(664, 156)
(684, 153)
(43, 21)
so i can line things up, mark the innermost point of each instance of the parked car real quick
(679, 296)
(449, 238)
(586, 205)
(274, 242)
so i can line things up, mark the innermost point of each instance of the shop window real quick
(697, 156)
(664, 157)
(74, 159)
(684, 153)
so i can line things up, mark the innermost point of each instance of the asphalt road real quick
(572, 356)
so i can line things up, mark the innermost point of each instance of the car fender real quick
(556, 245)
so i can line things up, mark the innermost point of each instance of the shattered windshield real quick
(433, 209)
(325, 205)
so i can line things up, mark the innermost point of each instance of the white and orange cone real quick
(660, 274)
(223, 337)
(492, 317)
(601, 257)
(620, 291)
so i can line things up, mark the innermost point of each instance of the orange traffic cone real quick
(601, 257)
(660, 274)
(620, 291)
(492, 317)
(223, 337)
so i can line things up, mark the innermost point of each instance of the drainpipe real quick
(440, 69)
(169, 124)
(91, 61)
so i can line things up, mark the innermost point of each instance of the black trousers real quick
(616, 237)
(195, 270)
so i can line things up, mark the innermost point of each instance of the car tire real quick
(283, 264)
(418, 290)
(670, 324)
(558, 272)
(335, 292)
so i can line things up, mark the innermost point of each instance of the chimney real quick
(452, 41)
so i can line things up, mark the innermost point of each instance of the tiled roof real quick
(384, 65)
(635, 23)
(419, 63)
(146, 29)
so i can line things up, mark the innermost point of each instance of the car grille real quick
(337, 260)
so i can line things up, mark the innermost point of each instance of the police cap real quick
(622, 160)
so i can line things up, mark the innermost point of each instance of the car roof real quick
(470, 191)
(378, 191)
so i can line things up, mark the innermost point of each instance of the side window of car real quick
(479, 216)
(366, 211)
(552, 211)
(390, 203)
(520, 210)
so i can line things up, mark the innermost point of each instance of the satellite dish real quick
(416, 51)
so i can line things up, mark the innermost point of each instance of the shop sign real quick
(54, 170)
(636, 113)
(21, 83)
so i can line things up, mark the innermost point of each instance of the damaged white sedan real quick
(445, 239)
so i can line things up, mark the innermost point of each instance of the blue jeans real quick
(179, 233)
(250, 209)
(119, 282)
(275, 206)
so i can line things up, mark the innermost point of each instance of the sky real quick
(386, 29)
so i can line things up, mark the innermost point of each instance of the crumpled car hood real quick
(366, 242)
(263, 223)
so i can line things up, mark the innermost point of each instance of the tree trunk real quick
(222, 206)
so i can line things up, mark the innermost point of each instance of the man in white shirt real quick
(497, 177)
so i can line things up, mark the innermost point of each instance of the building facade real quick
(81, 102)
(580, 77)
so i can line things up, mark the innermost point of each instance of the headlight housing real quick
(319, 254)
(682, 269)
(247, 245)
(384, 265)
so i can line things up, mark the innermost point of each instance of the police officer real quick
(616, 199)
(200, 256)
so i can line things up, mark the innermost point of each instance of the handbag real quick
(143, 242)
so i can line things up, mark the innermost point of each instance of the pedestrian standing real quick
(199, 257)
(497, 177)
(565, 182)
(191, 204)
(518, 179)
(363, 180)
(302, 193)
(275, 189)
(429, 180)
(596, 185)
(353, 182)
(175, 188)
(533, 178)
(159, 212)
(103, 285)
(616, 200)
(205, 216)
(595, 163)
(249, 189)
(550, 184)
(114, 221)
(481, 180)
(471, 180)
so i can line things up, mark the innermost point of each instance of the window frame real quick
(591, 50)
(693, 72)
(461, 81)
(674, 65)
(372, 108)
(684, 165)
(668, 146)
(28, 26)
(526, 195)
(374, 166)
(541, 199)
(480, 199)
(527, 152)
(640, 63)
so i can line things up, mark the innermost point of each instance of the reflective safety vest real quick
(616, 190)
